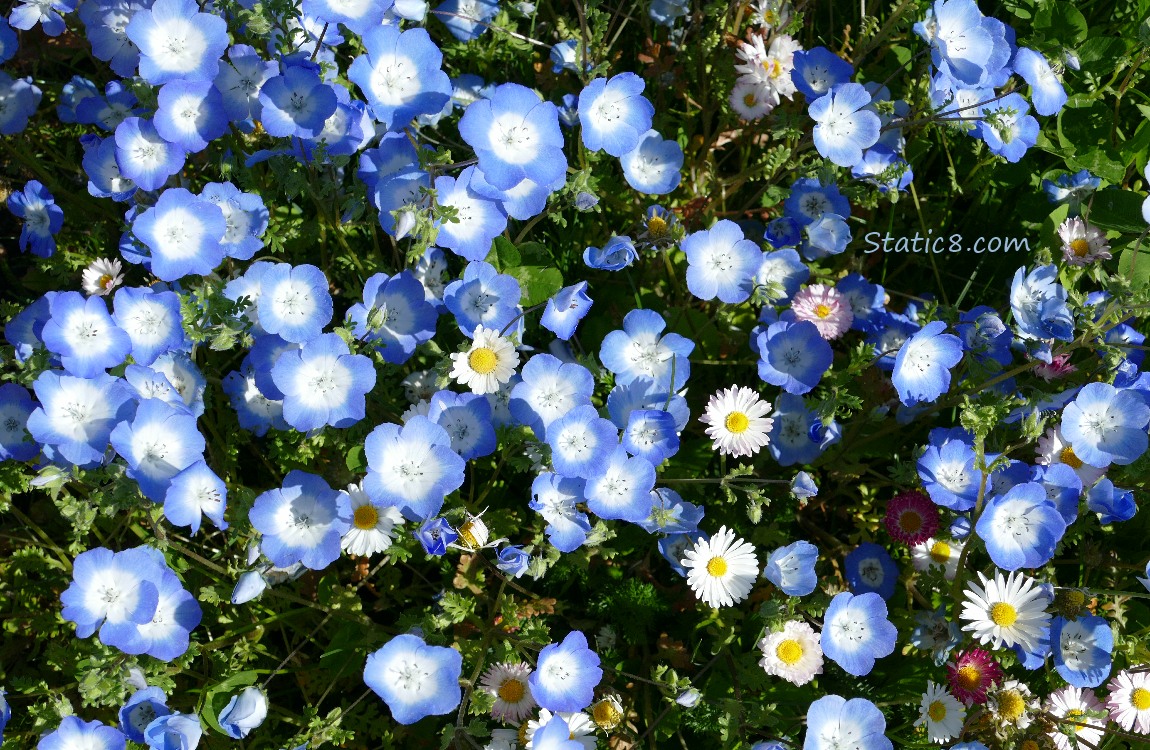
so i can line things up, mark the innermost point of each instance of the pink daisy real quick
(1129, 701)
(1082, 243)
(971, 674)
(826, 307)
(911, 517)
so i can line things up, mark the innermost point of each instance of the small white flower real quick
(1129, 701)
(721, 570)
(793, 653)
(941, 712)
(1082, 243)
(581, 726)
(102, 276)
(487, 364)
(508, 683)
(1055, 449)
(372, 526)
(737, 420)
(937, 553)
(1075, 704)
(1012, 704)
(1004, 612)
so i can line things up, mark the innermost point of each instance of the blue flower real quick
(411, 467)
(244, 712)
(255, 411)
(816, 70)
(563, 312)
(781, 273)
(105, 180)
(524, 200)
(965, 45)
(639, 351)
(467, 19)
(985, 335)
(152, 320)
(810, 199)
(797, 434)
(581, 442)
(653, 165)
(294, 301)
(1063, 488)
(8, 42)
(935, 633)
(194, 492)
(83, 335)
(554, 497)
(844, 127)
(1006, 127)
(414, 679)
(825, 236)
(643, 393)
(856, 631)
(1046, 90)
(240, 80)
(74, 732)
(323, 383)
(922, 365)
(160, 441)
(881, 160)
(115, 592)
(297, 102)
(721, 263)
(300, 522)
(513, 561)
(834, 722)
(245, 216)
(563, 56)
(1071, 188)
(1082, 649)
(30, 12)
(1111, 503)
(177, 41)
(614, 114)
(174, 732)
(16, 405)
(467, 419)
(793, 356)
(479, 220)
(168, 635)
(651, 434)
(190, 114)
(549, 389)
(482, 297)
(359, 18)
(401, 75)
(619, 487)
(42, 218)
(1021, 527)
(76, 415)
(566, 674)
(803, 486)
(516, 137)
(183, 233)
(792, 568)
(555, 734)
(617, 254)
(142, 709)
(869, 568)
(1104, 425)
(670, 514)
(20, 99)
(947, 470)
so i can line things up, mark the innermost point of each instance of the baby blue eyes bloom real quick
(581, 441)
(176, 41)
(621, 488)
(1038, 302)
(414, 679)
(1007, 128)
(83, 335)
(467, 419)
(1082, 649)
(244, 712)
(323, 383)
(651, 434)
(42, 218)
(869, 568)
(411, 467)
(515, 136)
(142, 709)
(563, 312)
(359, 18)
(300, 522)
(483, 296)
(159, 442)
(947, 471)
(721, 263)
(16, 405)
(114, 592)
(834, 722)
(793, 356)
(1106, 425)
(554, 497)
(435, 534)
(76, 415)
(513, 561)
(401, 75)
(183, 233)
(195, 492)
(844, 128)
(653, 165)
(1021, 527)
(395, 315)
(48, 14)
(617, 254)
(816, 70)
(245, 216)
(296, 103)
(1111, 503)
(614, 113)
(856, 632)
(152, 320)
(174, 732)
(566, 674)
(20, 98)
(792, 568)
(74, 732)
(294, 302)
(190, 114)
(550, 388)
(922, 365)
(479, 220)
(1046, 91)
(639, 351)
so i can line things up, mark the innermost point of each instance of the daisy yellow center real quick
(1028, 745)
(936, 711)
(606, 715)
(749, 100)
(822, 310)
(512, 691)
(482, 360)
(467, 534)
(717, 567)
(656, 225)
(910, 521)
(1011, 705)
(1074, 598)
(737, 422)
(1068, 457)
(1003, 615)
(1080, 247)
(365, 517)
(1140, 699)
(1074, 713)
(789, 651)
(940, 552)
(105, 281)
(968, 677)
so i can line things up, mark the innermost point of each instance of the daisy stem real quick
(960, 569)
(463, 704)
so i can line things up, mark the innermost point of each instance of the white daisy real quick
(488, 364)
(751, 99)
(102, 276)
(1075, 705)
(934, 553)
(1082, 243)
(372, 526)
(581, 726)
(1129, 701)
(1005, 612)
(722, 569)
(737, 422)
(793, 653)
(1012, 704)
(474, 535)
(508, 683)
(1054, 449)
(607, 712)
(941, 713)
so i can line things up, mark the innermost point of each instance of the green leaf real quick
(1061, 21)
(1134, 264)
(1119, 210)
(354, 459)
(225, 689)
(1097, 54)
(536, 282)
(1103, 162)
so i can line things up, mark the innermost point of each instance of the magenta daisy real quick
(911, 517)
(1058, 367)
(826, 307)
(971, 674)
